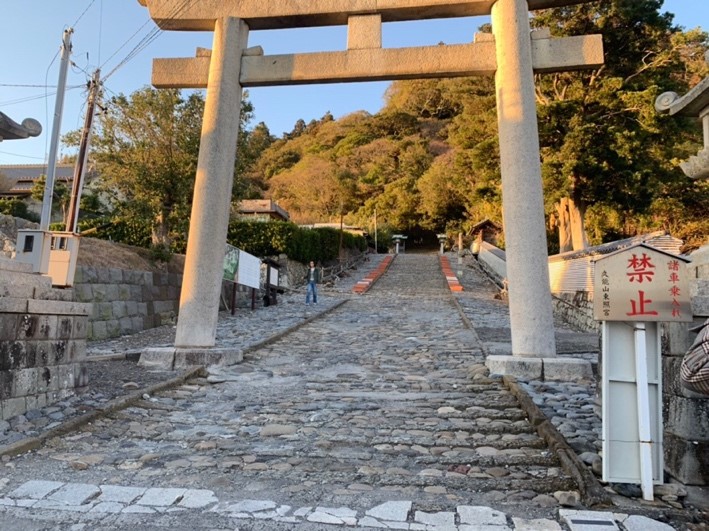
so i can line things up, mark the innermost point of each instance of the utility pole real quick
(72, 219)
(54, 142)
(376, 247)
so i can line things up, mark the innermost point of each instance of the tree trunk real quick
(159, 233)
(564, 223)
(572, 231)
(577, 211)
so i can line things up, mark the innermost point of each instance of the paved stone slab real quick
(588, 520)
(160, 497)
(198, 499)
(252, 506)
(521, 524)
(481, 515)
(643, 523)
(116, 493)
(35, 489)
(107, 508)
(473, 527)
(60, 506)
(435, 519)
(75, 494)
(138, 509)
(394, 511)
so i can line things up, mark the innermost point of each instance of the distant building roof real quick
(484, 223)
(659, 240)
(17, 179)
(262, 208)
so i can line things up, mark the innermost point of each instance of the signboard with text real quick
(241, 267)
(641, 283)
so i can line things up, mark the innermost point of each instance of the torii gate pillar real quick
(522, 195)
(202, 279)
(513, 57)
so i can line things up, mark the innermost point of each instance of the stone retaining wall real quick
(42, 341)
(126, 302)
(576, 309)
(686, 414)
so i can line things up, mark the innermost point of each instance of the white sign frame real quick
(249, 270)
(632, 404)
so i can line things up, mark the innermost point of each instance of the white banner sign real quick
(249, 270)
(241, 268)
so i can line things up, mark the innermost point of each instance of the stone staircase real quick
(42, 340)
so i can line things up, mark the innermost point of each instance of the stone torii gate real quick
(512, 53)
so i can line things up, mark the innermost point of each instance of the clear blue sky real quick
(32, 34)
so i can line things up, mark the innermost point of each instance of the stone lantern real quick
(399, 239)
(442, 238)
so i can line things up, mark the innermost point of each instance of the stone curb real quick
(129, 355)
(592, 492)
(116, 404)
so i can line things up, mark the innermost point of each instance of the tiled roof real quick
(18, 179)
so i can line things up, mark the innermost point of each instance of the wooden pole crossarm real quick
(549, 55)
(264, 15)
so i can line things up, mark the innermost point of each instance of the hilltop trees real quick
(429, 158)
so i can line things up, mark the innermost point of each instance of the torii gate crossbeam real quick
(512, 53)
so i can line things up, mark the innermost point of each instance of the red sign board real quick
(641, 283)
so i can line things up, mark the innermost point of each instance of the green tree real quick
(603, 144)
(145, 150)
(61, 195)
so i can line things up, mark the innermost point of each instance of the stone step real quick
(443, 481)
(7, 264)
(20, 278)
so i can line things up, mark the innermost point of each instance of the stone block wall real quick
(686, 414)
(42, 341)
(576, 309)
(125, 301)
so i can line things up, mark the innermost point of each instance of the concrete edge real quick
(129, 355)
(116, 404)
(592, 492)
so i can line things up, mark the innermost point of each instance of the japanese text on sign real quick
(641, 284)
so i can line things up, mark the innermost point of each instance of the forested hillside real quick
(429, 158)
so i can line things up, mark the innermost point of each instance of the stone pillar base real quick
(549, 369)
(517, 366)
(170, 358)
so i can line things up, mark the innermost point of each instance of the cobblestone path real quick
(380, 414)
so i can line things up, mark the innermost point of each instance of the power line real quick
(82, 14)
(23, 156)
(25, 99)
(26, 85)
(148, 39)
